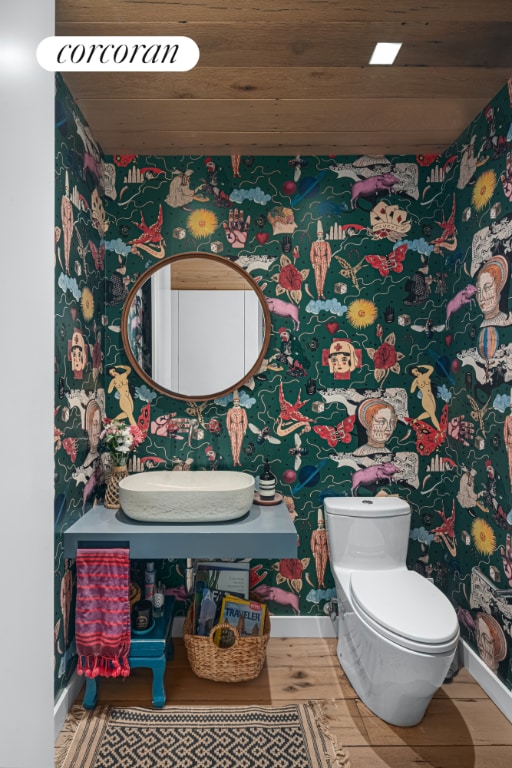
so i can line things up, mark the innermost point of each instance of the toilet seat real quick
(405, 608)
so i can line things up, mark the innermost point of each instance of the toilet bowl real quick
(397, 632)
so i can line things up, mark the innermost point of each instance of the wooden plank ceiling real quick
(279, 78)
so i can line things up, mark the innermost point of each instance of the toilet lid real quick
(406, 604)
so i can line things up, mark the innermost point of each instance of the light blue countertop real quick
(264, 532)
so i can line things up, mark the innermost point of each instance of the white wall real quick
(26, 387)
(206, 339)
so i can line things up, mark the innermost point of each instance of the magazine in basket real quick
(213, 581)
(248, 616)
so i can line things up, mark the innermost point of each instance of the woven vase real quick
(112, 494)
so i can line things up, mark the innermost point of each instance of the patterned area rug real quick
(293, 736)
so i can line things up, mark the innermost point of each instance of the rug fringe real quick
(337, 753)
(65, 738)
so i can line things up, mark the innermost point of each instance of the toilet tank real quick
(370, 533)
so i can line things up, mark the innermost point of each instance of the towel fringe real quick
(92, 666)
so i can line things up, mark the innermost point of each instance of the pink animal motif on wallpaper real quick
(371, 475)
(284, 309)
(93, 166)
(179, 593)
(372, 186)
(265, 592)
(465, 296)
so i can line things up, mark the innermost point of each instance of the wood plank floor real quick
(462, 727)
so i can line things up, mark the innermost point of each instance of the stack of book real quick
(221, 595)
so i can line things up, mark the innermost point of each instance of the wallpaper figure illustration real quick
(342, 358)
(379, 419)
(236, 424)
(491, 280)
(321, 256)
(119, 374)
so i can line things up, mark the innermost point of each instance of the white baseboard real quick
(284, 626)
(65, 700)
(487, 680)
(302, 626)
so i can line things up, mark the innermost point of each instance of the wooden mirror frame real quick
(140, 282)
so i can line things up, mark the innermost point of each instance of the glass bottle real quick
(267, 483)
(158, 600)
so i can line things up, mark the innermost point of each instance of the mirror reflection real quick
(195, 326)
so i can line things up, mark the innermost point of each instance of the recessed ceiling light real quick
(385, 53)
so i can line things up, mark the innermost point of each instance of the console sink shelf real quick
(264, 532)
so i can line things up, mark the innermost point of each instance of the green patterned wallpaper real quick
(79, 314)
(387, 279)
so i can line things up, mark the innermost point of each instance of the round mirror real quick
(195, 326)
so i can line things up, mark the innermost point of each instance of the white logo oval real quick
(117, 54)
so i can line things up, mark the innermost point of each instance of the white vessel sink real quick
(186, 497)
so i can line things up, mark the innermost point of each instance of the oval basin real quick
(186, 497)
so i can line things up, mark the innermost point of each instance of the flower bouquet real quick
(119, 439)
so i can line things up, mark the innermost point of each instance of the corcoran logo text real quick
(117, 54)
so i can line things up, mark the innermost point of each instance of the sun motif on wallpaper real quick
(362, 313)
(202, 223)
(87, 304)
(484, 189)
(483, 537)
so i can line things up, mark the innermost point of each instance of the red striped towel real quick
(102, 623)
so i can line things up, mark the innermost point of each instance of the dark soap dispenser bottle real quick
(267, 484)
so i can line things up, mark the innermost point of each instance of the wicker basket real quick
(243, 660)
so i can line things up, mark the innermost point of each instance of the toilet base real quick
(396, 684)
(407, 712)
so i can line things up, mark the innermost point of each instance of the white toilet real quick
(397, 632)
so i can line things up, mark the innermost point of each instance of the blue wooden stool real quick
(152, 649)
